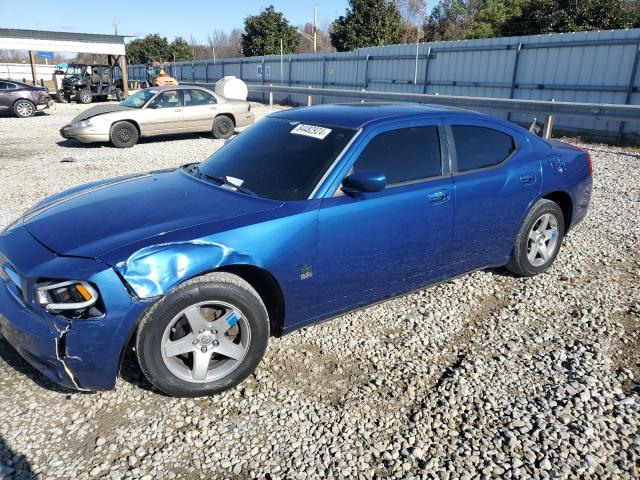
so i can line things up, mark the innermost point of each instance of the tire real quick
(24, 109)
(123, 135)
(62, 97)
(223, 127)
(119, 94)
(84, 96)
(171, 366)
(534, 252)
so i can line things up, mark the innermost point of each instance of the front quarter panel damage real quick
(154, 270)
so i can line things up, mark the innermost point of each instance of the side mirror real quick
(364, 181)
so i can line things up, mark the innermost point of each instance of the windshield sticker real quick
(312, 131)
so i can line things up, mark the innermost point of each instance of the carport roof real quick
(18, 39)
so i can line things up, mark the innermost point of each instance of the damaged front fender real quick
(154, 270)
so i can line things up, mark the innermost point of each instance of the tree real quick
(264, 31)
(548, 16)
(153, 45)
(323, 42)
(180, 50)
(451, 20)
(367, 23)
(226, 45)
(413, 14)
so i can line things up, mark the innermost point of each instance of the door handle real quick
(177, 109)
(439, 197)
(527, 178)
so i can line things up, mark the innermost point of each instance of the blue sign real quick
(41, 54)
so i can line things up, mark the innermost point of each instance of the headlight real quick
(81, 124)
(65, 295)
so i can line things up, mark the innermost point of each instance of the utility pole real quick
(315, 29)
(115, 25)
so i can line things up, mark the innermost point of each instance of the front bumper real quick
(81, 354)
(85, 135)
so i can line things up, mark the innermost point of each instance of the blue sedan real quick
(309, 214)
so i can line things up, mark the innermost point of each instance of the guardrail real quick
(599, 111)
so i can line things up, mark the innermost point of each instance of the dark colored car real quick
(22, 99)
(90, 82)
(308, 214)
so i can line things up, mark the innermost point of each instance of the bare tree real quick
(413, 14)
(226, 45)
(323, 41)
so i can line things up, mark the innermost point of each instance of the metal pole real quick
(632, 82)
(366, 73)
(426, 70)
(514, 76)
(415, 72)
(281, 54)
(548, 125)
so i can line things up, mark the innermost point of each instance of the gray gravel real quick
(484, 376)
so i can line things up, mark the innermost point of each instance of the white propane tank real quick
(232, 87)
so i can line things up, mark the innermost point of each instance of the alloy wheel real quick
(24, 109)
(542, 240)
(205, 342)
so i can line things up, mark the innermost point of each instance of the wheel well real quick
(563, 199)
(230, 115)
(21, 99)
(267, 287)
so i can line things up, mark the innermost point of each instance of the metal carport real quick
(35, 40)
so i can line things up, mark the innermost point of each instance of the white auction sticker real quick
(312, 131)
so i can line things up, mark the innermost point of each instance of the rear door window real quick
(403, 155)
(197, 97)
(480, 147)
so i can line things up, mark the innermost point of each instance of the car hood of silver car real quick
(99, 110)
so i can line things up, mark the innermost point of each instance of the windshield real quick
(76, 71)
(138, 99)
(277, 158)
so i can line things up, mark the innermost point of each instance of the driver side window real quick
(169, 99)
(403, 155)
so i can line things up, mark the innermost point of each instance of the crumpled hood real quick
(99, 110)
(95, 219)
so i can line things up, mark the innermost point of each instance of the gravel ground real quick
(484, 376)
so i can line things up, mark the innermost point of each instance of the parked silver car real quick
(160, 111)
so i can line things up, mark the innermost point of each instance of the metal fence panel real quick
(591, 67)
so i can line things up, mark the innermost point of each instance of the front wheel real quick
(205, 337)
(62, 97)
(84, 96)
(119, 94)
(124, 135)
(24, 109)
(539, 240)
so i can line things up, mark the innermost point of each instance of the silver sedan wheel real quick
(206, 342)
(24, 109)
(543, 240)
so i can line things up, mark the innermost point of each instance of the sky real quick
(168, 18)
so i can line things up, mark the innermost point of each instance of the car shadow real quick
(70, 143)
(131, 373)
(10, 114)
(15, 361)
(14, 465)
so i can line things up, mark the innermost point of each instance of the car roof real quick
(178, 87)
(357, 115)
(17, 82)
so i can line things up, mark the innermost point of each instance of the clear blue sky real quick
(168, 18)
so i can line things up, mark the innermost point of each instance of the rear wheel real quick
(84, 96)
(24, 109)
(119, 94)
(124, 135)
(539, 240)
(223, 127)
(205, 337)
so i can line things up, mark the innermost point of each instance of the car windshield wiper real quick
(224, 181)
